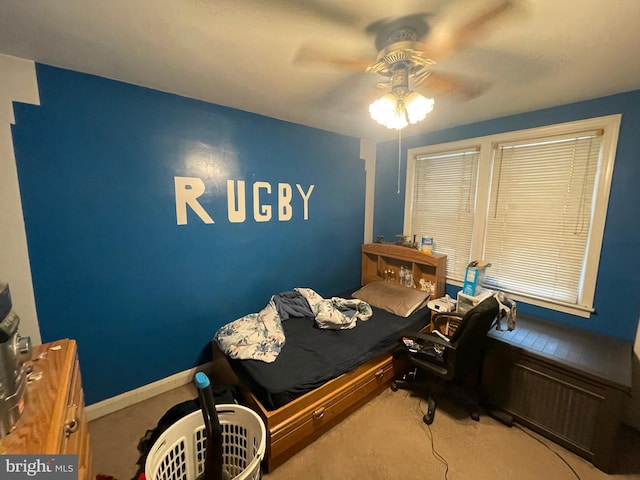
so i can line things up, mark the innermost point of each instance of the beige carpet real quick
(386, 439)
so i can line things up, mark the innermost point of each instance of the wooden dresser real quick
(54, 419)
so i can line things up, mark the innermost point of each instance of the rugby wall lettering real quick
(189, 189)
(184, 216)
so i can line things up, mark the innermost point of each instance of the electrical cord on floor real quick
(549, 448)
(435, 453)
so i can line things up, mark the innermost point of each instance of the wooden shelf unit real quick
(378, 257)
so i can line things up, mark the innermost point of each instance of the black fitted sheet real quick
(312, 356)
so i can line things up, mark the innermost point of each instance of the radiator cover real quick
(559, 406)
(575, 410)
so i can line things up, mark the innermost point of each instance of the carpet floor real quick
(386, 439)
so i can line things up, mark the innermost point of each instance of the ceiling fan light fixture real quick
(389, 111)
(397, 113)
(417, 106)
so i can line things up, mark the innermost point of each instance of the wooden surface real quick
(605, 359)
(377, 257)
(565, 383)
(53, 403)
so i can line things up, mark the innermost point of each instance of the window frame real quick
(602, 188)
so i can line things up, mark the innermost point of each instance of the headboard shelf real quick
(380, 257)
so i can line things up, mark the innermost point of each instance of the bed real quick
(321, 376)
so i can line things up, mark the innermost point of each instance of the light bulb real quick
(388, 111)
(397, 113)
(417, 106)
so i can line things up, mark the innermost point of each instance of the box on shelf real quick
(467, 302)
(474, 277)
(426, 246)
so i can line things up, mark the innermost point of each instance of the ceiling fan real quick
(408, 49)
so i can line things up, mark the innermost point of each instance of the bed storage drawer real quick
(295, 426)
(382, 375)
(311, 422)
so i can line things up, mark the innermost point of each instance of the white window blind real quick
(540, 211)
(531, 202)
(443, 204)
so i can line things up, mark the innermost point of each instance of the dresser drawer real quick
(75, 431)
(70, 438)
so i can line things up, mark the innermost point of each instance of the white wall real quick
(368, 154)
(17, 83)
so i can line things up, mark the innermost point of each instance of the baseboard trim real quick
(113, 404)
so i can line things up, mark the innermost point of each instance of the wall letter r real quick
(188, 189)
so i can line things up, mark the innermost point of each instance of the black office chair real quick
(449, 356)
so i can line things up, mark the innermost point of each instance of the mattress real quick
(312, 356)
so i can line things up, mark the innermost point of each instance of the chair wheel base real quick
(428, 419)
(431, 412)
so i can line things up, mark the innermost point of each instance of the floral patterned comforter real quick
(259, 336)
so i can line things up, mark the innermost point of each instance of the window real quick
(532, 203)
(444, 198)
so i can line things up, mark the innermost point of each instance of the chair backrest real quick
(470, 336)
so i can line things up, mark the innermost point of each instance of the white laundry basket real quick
(178, 454)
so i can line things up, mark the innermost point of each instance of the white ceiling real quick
(240, 53)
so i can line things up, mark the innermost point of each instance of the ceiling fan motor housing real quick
(403, 34)
(405, 55)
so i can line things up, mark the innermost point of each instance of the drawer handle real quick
(71, 425)
(379, 373)
(318, 414)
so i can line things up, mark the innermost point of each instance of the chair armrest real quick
(445, 320)
(450, 315)
(430, 352)
(428, 337)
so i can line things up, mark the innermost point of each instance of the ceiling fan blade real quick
(453, 34)
(309, 55)
(436, 84)
(339, 13)
(352, 93)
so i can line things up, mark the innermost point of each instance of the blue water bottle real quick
(213, 453)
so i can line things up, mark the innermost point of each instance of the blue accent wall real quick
(617, 298)
(142, 295)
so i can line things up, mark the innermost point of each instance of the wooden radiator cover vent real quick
(564, 408)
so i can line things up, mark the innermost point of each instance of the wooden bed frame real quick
(295, 425)
(298, 423)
